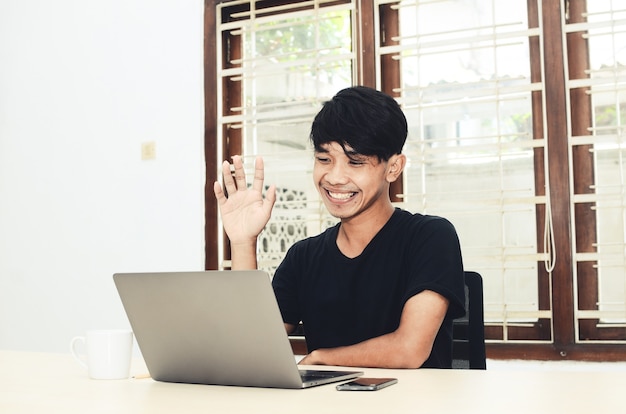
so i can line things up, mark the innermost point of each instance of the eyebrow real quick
(355, 155)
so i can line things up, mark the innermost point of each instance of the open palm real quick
(245, 211)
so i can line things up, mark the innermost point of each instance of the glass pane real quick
(605, 83)
(292, 61)
(466, 91)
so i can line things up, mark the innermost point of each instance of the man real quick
(379, 289)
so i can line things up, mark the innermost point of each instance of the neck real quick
(357, 232)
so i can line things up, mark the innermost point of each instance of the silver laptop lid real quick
(211, 327)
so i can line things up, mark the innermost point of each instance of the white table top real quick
(33, 382)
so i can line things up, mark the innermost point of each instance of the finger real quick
(270, 196)
(259, 175)
(229, 184)
(240, 174)
(219, 193)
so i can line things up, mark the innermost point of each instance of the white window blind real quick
(466, 89)
(603, 26)
(293, 57)
(476, 148)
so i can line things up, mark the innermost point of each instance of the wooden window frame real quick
(564, 345)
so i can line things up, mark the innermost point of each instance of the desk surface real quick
(53, 383)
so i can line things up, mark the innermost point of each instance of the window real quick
(596, 91)
(466, 87)
(516, 134)
(290, 58)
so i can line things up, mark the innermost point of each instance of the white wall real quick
(83, 84)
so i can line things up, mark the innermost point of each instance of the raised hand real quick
(245, 211)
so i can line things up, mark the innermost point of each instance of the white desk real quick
(54, 383)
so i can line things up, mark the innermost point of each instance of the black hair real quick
(368, 121)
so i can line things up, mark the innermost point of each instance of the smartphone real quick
(367, 384)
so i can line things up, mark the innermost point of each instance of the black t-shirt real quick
(342, 301)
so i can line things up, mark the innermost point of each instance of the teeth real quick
(341, 196)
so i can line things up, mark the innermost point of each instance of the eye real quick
(321, 159)
(357, 161)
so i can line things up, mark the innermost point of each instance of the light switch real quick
(148, 150)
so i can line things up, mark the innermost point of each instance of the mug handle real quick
(73, 343)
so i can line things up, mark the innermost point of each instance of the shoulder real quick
(416, 223)
(313, 243)
(307, 254)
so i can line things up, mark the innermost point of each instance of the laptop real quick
(214, 327)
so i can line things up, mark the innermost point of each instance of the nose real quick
(336, 174)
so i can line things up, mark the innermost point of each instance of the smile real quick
(340, 196)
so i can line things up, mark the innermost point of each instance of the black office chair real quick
(468, 337)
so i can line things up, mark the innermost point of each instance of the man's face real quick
(350, 183)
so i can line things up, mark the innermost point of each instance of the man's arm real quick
(409, 346)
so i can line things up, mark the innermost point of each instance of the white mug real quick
(107, 352)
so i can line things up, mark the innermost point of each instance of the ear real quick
(395, 166)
